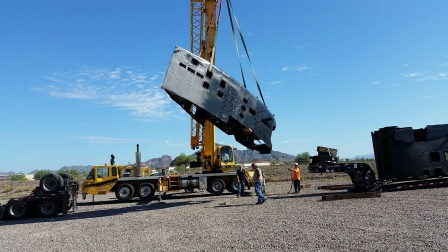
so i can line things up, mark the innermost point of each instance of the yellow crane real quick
(217, 161)
(203, 32)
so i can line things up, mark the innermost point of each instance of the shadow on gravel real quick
(294, 195)
(139, 206)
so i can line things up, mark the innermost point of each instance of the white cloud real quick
(296, 68)
(428, 97)
(115, 74)
(128, 89)
(104, 140)
(440, 76)
(276, 82)
(171, 144)
(412, 75)
(294, 140)
(301, 46)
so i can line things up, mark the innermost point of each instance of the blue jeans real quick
(259, 192)
(241, 186)
(297, 186)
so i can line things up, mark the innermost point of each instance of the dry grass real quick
(17, 189)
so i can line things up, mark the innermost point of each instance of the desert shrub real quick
(18, 177)
(38, 175)
(75, 173)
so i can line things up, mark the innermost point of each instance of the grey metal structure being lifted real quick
(208, 93)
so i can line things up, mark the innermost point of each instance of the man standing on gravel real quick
(258, 180)
(296, 177)
(241, 177)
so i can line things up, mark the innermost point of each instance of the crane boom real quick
(203, 31)
(213, 98)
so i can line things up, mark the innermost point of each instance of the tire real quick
(66, 177)
(189, 190)
(18, 210)
(233, 186)
(48, 208)
(146, 191)
(216, 186)
(51, 183)
(124, 192)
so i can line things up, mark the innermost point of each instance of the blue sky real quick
(81, 80)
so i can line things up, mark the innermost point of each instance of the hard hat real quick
(296, 164)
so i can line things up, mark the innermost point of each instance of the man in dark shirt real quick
(241, 178)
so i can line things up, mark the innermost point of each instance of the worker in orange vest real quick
(296, 177)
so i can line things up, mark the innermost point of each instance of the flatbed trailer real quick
(144, 187)
(56, 194)
(405, 159)
(388, 186)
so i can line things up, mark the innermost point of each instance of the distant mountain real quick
(7, 173)
(163, 161)
(80, 168)
(247, 156)
(241, 156)
(365, 156)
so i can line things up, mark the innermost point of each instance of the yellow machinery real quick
(203, 32)
(126, 181)
(217, 162)
(136, 181)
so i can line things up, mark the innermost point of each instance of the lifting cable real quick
(290, 188)
(230, 10)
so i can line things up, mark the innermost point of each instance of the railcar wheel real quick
(48, 208)
(18, 210)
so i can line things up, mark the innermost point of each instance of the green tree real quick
(38, 175)
(303, 158)
(288, 163)
(75, 173)
(183, 160)
(274, 162)
(18, 177)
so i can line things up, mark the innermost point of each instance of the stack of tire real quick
(45, 201)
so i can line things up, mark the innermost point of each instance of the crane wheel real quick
(233, 185)
(189, 190)
(216, 186)
(124, 192)
(146, 191)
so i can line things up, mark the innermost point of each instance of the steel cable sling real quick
(230, 10)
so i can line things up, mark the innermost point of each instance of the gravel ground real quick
(397, 221)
